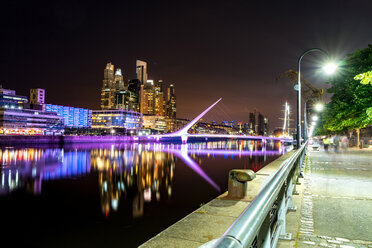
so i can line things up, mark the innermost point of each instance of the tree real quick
(351, 102)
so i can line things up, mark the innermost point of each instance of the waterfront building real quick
(73, 117)
(155, 122)
(37, 96)
(117, 118)
(9, 99)
(29, 122)
(171, 102)
(17, 116)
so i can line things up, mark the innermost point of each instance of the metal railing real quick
(263, 221)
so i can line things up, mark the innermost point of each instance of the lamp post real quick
(299, 92)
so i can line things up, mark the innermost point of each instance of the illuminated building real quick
(37, 96)
(118, 94)
(171, 102)
(141, 71)
(154, 122)
(260, 124)
(72, 117)
(108, 91)
(29, 122)
(126, 100)
(252, 122)
(9, 99)
(159, 98)
(266, 126)
(147, 105)
(117, 118)
(16, 117)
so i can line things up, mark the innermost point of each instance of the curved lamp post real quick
(329, 68)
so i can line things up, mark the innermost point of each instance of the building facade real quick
(17, 116)
(30, 122)
(37, 96)
(171, 102)
(117, 118)
(155, 122)
(72, 117)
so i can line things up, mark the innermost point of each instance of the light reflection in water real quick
(136, 172)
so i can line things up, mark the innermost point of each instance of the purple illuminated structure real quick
(184, 135)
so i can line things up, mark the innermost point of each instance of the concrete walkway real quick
(335, 201)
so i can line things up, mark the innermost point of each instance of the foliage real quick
(365, 78)
(351, 103)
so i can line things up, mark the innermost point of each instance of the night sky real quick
(208, 49)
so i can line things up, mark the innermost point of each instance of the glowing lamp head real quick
(330, 68)
(318, 107)
(315, 118)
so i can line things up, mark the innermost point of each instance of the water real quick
(113, 195)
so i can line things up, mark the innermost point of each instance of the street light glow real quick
(315, 118)
(330, 68)
(319, 107)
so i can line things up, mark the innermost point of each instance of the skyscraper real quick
(108, 90)
(171, 102)
(147, 105)
(252, 122)
(261, 124)
(141, 70)
(159, 98)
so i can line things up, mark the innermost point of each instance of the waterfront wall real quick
(211, 220)
(20, 139)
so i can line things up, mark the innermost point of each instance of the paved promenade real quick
(335, 201)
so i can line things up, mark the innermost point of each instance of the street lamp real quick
(330, 68)
(319, 107)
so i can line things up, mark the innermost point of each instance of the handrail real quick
(245, 228)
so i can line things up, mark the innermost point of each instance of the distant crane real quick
(308, 90)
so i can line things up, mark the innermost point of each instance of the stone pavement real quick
(334, 202)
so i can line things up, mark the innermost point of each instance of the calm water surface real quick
(113, 195)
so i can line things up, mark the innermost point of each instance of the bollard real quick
(238, 182)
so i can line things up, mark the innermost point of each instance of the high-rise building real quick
(266, 126)
(108, 90)
(171, 102)
(118, 80)
(252, 122)
(147, 104)
(261, 124)
(37, 96)
(159, 98)
(141, 70)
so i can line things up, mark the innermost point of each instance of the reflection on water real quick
(144, 168)
(135, 182)
(144, 171)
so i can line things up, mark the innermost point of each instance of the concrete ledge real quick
(211, 220)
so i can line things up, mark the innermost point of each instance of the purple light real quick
(195, 167)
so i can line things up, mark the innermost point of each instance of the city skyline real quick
(210, 50)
